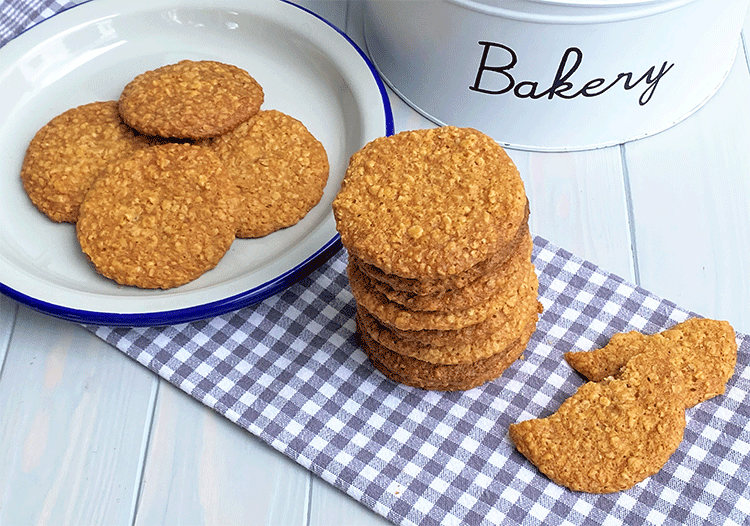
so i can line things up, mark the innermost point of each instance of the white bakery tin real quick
(555, 74)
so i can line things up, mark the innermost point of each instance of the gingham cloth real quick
(289, 370)
(17, 15)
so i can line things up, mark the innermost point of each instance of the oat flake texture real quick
(190, 99)
(704, 350)
(280, 168)
(68, 153)
(612, 434)
(159, 218)
(429, 203)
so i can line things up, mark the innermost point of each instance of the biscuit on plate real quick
(190, 99)
(159, 218)
(280, 168)
(68, 153)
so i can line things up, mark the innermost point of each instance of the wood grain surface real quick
(88, 436)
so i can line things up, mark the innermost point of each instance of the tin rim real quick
(571, 11)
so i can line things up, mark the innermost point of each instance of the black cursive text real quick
(562, 86)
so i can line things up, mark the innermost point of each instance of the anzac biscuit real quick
(423, 286)
(456, 377)
(506, 328)
(159, 218)
(612, 434)
(69, 152)
(470, 295)
(429, 203)
(394, 315)
(279, 167)
(495, 322)
(190, 100)
(705, 352)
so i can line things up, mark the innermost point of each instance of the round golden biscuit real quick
(435, 286)
(159, 218)
(68, 153)
(473, 293)
(454, 377)
(190, 99)
(507, 329)
(417, 341)
(517, 286)
(281, 170)
(429, 203)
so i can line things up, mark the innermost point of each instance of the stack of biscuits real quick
(435, 223)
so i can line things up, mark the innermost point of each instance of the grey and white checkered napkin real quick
(289, 370)
(17, 15)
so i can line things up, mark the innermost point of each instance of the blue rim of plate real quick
(237, 301)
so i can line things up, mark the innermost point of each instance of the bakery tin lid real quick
(571, 11)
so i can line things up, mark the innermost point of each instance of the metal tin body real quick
(555, 74)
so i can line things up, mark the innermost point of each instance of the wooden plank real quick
(332, 507)
(72, 417)
(691, 195)
(203, 469)
(578, 202)
(7, 320)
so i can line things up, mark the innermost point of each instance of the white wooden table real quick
(88, 436)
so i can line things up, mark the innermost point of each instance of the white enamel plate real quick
(308, 69)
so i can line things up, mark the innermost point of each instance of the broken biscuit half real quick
(623, 425)
(611, 434)
(705, 351)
